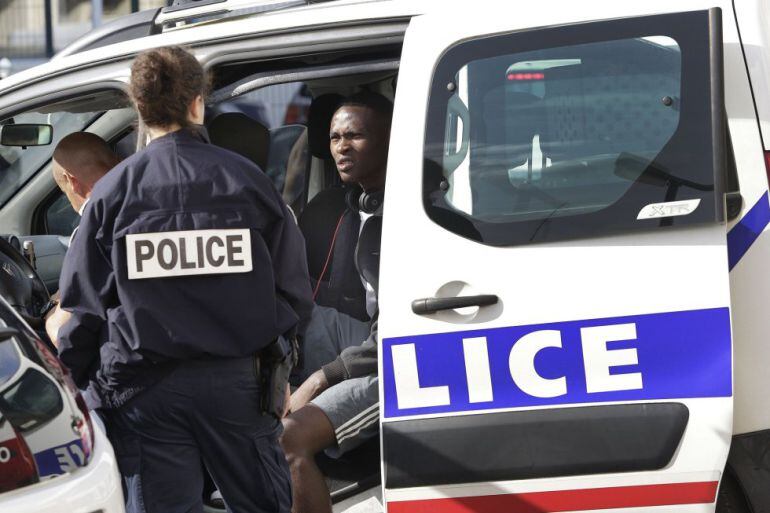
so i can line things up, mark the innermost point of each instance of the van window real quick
(17, 165)
(60, 218)
(570, 140)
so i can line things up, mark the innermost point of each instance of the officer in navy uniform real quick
(187, 283)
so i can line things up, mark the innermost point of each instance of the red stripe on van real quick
(567, 500)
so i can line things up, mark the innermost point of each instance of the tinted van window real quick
(571, 140)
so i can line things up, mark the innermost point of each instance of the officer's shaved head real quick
(85, 156)
(79, 161)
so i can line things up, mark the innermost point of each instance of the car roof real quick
(294, 19)
(317, 16)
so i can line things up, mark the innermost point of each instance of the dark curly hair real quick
(164, 82)
(371, 100)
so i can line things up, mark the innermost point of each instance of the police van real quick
(573, 266)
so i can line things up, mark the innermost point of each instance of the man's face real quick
(359, 146)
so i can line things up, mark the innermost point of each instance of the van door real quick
(555, 324)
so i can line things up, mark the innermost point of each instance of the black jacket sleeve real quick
(354, 361)
(87, 286)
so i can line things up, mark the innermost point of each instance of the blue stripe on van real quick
(671, 355)
(743, 234)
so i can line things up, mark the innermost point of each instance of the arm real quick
(87, 283)
(355, 361)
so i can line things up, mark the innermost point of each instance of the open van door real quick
(554, 297)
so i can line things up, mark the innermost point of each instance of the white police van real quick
(573, 265)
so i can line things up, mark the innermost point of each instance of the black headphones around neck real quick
(360, 201)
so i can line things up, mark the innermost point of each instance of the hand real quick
(311, 388)
(55, 321)
(286, 401)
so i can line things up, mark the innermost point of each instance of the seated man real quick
(337, 406)
(79, 161)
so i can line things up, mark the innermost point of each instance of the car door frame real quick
(395, 320)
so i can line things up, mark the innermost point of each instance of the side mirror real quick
(26, 135)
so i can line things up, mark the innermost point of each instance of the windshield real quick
(17, 165)
(32, 401)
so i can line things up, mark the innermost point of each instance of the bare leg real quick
(307, 431)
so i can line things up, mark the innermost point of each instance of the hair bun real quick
(164, 82)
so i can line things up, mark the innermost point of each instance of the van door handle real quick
(429, 305)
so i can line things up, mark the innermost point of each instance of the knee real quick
(306, 432)
(293, 442)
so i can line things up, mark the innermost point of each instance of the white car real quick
(574, 251)
(54, 455)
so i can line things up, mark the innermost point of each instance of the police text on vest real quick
(189, 252)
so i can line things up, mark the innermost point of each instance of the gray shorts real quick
(352, 406)
(328, 333)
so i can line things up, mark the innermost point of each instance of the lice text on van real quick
(598, 361)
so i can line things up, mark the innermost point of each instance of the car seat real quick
(297, 170)
(283, 140)
(245, 136)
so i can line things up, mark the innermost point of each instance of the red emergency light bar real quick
(525, 76)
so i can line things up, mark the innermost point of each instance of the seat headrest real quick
(319, 119)
(245, 136)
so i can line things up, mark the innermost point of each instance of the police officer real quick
(79, 161)
(187, 271)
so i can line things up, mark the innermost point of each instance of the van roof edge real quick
(211, 8)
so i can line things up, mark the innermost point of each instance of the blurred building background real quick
(32, 31)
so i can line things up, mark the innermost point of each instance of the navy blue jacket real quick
(125, 334)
